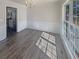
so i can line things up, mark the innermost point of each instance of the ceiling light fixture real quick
(28, 3)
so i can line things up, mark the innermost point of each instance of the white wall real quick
(21, 14)
(44, 16)
(2, 20)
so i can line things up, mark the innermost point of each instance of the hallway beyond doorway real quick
(11, 18)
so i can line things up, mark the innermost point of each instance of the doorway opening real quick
(11, 20)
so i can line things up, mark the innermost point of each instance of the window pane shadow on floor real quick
(45, 45)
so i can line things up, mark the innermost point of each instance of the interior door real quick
(11, 19)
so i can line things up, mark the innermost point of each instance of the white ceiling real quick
(36, 1)
(19, 1)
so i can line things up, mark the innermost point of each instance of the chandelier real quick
(29, 3)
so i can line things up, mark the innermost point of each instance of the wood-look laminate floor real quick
(23, 46)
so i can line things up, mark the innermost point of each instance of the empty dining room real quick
(39, 29)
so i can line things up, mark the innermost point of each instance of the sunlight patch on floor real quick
(48, 37)
(45, 44)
